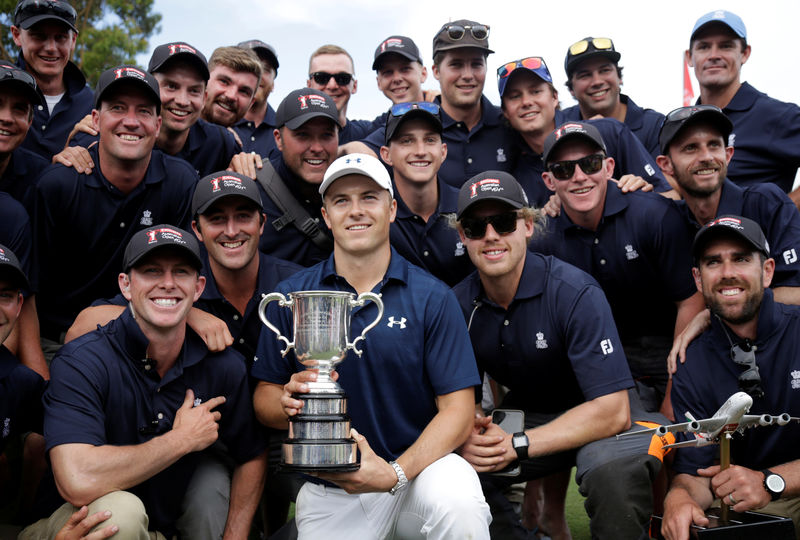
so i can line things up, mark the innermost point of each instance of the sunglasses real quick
(682, 113)
(532, 62)
(478, 31)
(744, 354)
(563, 170)
(49, 7)
(322, 78)
(399, 109)
(600, 43)
(475, 228)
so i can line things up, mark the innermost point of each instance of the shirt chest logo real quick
(147, 218)
(459, 249)
(631, 253)
(401, 322)
(541, 343)
(796, 379)
(501, 156)
(6, 427)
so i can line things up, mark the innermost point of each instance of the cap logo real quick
(719, 14)
(312, 100)
(728, 222)
(487, 184)
(227, 182)
(569, 128)
(3, 256)
(392, 42)
(180, 48)
(128, 72)
(167, 234)
(356, 160)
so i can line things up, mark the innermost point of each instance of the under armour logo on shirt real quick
(401, 322)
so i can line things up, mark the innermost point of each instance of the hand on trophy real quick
(297, 385)
(374, 476)
(740, 487)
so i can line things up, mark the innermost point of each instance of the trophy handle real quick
(262, 314)
(360, 301)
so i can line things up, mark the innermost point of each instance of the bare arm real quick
(29, 349)
(84, 472)
(246, 487)
(685, 503)
(687, 309)
(88, 319)
(787, 295)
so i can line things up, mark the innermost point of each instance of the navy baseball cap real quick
(146, 241)
(302, 105)
(178, 49)
(589, 47)
(741, 227)
(683, 117)
(460, 34)
(11, 75)
(402, 45)
(731, 20)
(262, 50)
(531, 64)
(401, 112)
(9, 266)
(221, 184)
(111, 78)
(570, 131)
(29, 12)
(491, 186)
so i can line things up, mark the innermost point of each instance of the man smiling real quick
(234, 77)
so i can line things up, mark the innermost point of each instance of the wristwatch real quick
(774, 484)
(402, 481)
(520, 443)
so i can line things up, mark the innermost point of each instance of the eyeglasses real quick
(51, 7)
(600, 43)
(9, 72)
(744, 354)
(322, 78)
(682, 113)
(532, 62)
(475, 228)
(399, 109)
(478, 31)
(563, 170)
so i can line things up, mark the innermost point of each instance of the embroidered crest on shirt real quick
(796, 379)
(147, 218)
(459, 249)
(541, 343)
(401, 322)
(732, 139)
(631, 253)
(197, 402)
(6, 427)
(501, 155)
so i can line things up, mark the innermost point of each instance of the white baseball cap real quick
(362, 164)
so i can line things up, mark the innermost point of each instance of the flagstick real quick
(724, 463)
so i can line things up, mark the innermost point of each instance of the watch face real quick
(775, 483)
(519, 440)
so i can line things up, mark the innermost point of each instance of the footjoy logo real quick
(790, 256)
(606, 346)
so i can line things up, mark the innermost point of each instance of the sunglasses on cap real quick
(478, 31)
(601, 43)
(532, 62)
(682, 113)
(8, 72)
(399, 109)
(322, 77)
(48, 7)
(744, 354)
(563, 170)
(475, 228)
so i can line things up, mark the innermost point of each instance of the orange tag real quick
(657, 442)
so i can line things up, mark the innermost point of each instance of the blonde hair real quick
(331, 49)
(237, 59)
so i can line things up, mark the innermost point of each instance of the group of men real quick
(140, 224)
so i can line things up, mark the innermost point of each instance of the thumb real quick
(709, 471)
(361, 441)
(699, 517)
(188, 401)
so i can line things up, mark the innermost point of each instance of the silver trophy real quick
(319, 437)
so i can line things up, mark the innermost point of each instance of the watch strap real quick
(522, 450)
(402, 480)
(775, 495)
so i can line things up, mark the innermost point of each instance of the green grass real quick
(577, 519)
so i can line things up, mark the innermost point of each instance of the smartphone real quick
(510, 421)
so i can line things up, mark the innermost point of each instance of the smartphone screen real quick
(510, 421)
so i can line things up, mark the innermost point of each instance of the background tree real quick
(111, 32)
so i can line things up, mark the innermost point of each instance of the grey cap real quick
(146, 241)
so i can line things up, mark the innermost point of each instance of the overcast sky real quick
(651, 36)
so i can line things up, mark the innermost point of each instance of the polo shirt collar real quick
(74, 79)
(403, 211)
(615, 203)
(743, 99)
(397, 271)
(531, 281)
(731, 199)
(490, 114)
(634, 115)
(155, 173)
(8, 362)
(211, 291)
(768, 321)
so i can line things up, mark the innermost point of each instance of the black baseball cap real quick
(11, 75)
(130, 74)
(683, 117)
(738, 226)
(302, 105)
(263, 50)
(460, 34)
(29, 12)
(491, 186)
(221, 184)
(9, 266)
(589, 47)
(402, 45)
(571, 131)
(178, 49)
(158, 237)
(401, 112)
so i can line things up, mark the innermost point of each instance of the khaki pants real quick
(127, 512)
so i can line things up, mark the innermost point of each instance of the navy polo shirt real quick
(489, 146)
(639, 255)
(777, 215)
(244, 328)
(433, 245)
(258, 138)
(289, 243)
(15, 230)
(644, 123)
(104, 391)
(556, 346)
(709, 377)
(48, 132)
(766, 139)
(83, 223)
(21, 391)
(630, 157)
(419, 350)
(355, 130)
(20, 176)
(208, 148)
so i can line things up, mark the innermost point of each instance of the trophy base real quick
(739, 526)
(331, 455)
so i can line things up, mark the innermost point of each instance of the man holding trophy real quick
(410, 397)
